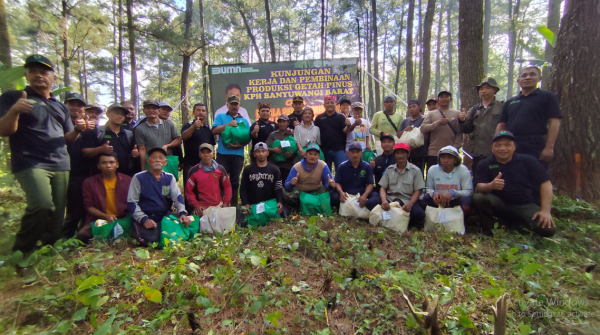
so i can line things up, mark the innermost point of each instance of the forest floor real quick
(305, 275)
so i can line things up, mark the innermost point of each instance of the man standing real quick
(113, 137)
(233, 89)
(431, 104)
(354, 176)
(334, 129)
(442, 126)
(281, 134)
(403, 182)
(207, 184)
(507, 183)
(130, 117)
(155, 133)
(296, 116)
(39, 128)
(261, 181)
(104, 195)
(449, 183)
(360, 132)
(418, 156)
(531, 115)
(387, 121)
(231, 157)
(263, 127)
(481, 121)
(194, 134)
(151, 196)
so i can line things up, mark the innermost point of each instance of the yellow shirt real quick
(111, 206)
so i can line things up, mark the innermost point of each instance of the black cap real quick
(386, 135)
(155, 149)
(445, 92)
(94, 109)
(74, 97)
(118, 107)
(502, 134)
(414, 102)
(38, 59)
(345, 99)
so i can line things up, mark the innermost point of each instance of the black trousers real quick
(234, 165)
(75, 209)
(419, 162)
(431, 161)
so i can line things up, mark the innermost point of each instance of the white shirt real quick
(242, 111)
(357, 135)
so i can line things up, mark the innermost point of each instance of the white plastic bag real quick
(218, 219)
(352, 208)
(413, 138)
(448, 219)
(398, 221)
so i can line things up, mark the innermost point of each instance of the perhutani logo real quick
(232, 69)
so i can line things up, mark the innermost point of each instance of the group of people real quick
(63, 159)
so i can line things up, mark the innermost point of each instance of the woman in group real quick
(306, 133)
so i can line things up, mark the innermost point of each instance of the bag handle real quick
(391, 122)
(444, 116)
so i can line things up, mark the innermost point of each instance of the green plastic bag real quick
(292, 148)
(236, 135)
(368, 155)
(193, 228)
(269, 211)
(314, 204)
(103, 230)
(321, 156)
(173, 230)
(172, 166)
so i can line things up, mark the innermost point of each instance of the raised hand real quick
(498, 182)
(135, 153)
(256, 128)
(348, 122)
(331, 181)
(294, 181)
(463, 115)
(22, 105)
(82, 124)
(107, 148)
(198, 123)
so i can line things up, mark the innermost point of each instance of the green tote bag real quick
(262, 213)
(236, 135)
(103, 230)
(314, 204)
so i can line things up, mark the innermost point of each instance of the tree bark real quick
(132, 55)
(426, 72)
(450, 67)
(438, 62)
(575, 169)
(85, 82)
(410, 76)
(185, 64)
(419, 47)
(397, 81)
(375, 54)
(487, 19)
(5, 55)
(553, 22)
(64, 35)
(121, 69)
(369, 38)
(470, 50)
(115, 43)
(512, 43)
(203, 54)
(269, 31)
(322, 29)
(80, 72)
(249, 31)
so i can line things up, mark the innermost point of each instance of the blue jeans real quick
(336, 157)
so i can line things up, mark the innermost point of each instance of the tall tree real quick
(419, 44)
(239, 6)
(410, 76)
(5, 55)
(120, 51)
(322, 29)
(470, 50)
(575, 168)
(438, 62)
(450, 48)
(187, 54)
(203, 52)
(269, 31)
(512, 44)
(369, 38)
(553, 22)
(426, 71)
(398, 64)
(487, 19)
(375, 52)
(132, 55)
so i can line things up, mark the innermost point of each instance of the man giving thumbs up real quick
(193, 134)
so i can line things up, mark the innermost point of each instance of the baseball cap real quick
(165, 104)
(150, 103)
(155, 149)
(414, 102)
(95, 109)
(345, 99)
(74, 96)
(118, 108)
(490, 81)
(206, 146)
(355, 145)
(444, 92)
(502, 134)
(430, 100)
(233, 99)
(388, 136)
(313, 146)
(261, 145)
(38, 59)
(402, 146)
(358, 104)
(283, 117)
(389, 97)
(298, 99)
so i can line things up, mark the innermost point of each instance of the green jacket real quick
(480, 126)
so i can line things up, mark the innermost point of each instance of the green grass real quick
(306, 275)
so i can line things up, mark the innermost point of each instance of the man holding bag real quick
(418, 156)
(354, 176)
(231, 157)
(449, 183)
(282, 136)
(308, 175)
(150, 198)
(261, 182)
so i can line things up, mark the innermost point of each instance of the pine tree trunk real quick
(450, 67)
(203, 61)
(575, 169)
(385, 47)
(438, 62)
(397, 81)
(553, 21)
(269, 31)
(368, 37)
(185, 64)
(426, 72)
(64, 36)
(512, 44)
(375, 54)
(470, 50)
(121, 69)
(487, 19)
(80, 72)
(5, 55)
(322, 29)
(115, 28)
(419, 47)
(132, 55)
(85, 82)
(410, 77)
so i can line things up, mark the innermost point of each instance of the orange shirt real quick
(111, 207)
